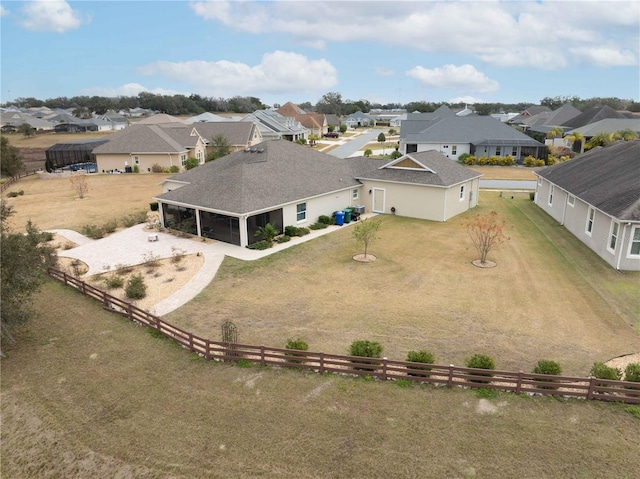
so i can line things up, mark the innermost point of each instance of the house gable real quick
(407, 162)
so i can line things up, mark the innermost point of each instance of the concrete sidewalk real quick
(131, 246)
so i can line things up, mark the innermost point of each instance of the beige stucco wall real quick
(322, 205)
(417, 201)
(119, 161)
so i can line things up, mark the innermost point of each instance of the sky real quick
(280, 51)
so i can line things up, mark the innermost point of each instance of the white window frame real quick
(591, 219)
(571, 200)
(136, 160)
(614, 232)
(634, 241)
(550, 200)
(301, 209)
(183, 159)
(454, 149)
(461, 196)
(539, 180)
(514, 151)
(355, 194)
(498, 151)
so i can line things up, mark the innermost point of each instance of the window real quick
(412, 147)
(498, 150)
(571, 200)
(613, 236)
(198, 155)
(462, 193)
(551, 195)
(539, 180)
(634, 247)
(301, 212)
(590, 217)
(354, 194)
(183, 158)
(514, 151)
(454, 150)
(136, 160)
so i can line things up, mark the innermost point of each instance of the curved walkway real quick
(131, 247)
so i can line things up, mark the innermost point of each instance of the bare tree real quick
(486, 232)
(80, 185)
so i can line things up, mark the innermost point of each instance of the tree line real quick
(329, 103)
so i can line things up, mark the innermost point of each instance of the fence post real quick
(262, 359)
(207, 349)
(519, 385)
(450, 379)
(105, 302)
(384, 368)
(191, 341)
(321, 363)
(592, 383)
(129, 312)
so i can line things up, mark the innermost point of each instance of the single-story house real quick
(284, 184)
(146, 145)
(274, 126)
(358, 119)
(475, 135)
(239, 134)
(596, 196)
(316, 123)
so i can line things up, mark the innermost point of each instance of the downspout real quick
(444, 211)
(624, 235)
(564, 211)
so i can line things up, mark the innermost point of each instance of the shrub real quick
(540, 163)
(136, 169)
(110, 226)
(493, 160)
(154, 206)
(156, 168)
(602, 371)
(260, 245)
(529, 161)
(368, 152)
(366, 349)
(482, 160)
(136, 288)
(551, 160)
(12, 194)
(191, 163)
(470, 160)
(166, 170)
(174, 169)
(327, 220)
(134, 219)
(318, 226)
(421, 356)
(480, 361)
(632, 372)
(296, 231)
(502, 161)
(545, 366)
(532, 195)
(113, 281)
(297, 345)
(283, 239)
(93, 231)
(463, 158)
(509, 160)
(47, 236)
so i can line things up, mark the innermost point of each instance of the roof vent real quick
(260, 150)
(247, 150)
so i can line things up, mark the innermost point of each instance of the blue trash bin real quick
(339, 218)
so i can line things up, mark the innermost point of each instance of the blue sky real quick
(279, 51)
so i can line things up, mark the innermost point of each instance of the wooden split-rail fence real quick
(383, 368)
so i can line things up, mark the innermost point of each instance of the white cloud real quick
(605, 57)
(3, 11)
(51, 16)
(542, 34)
(450, 77)
(278, 72)
(129, 89)
(469, 100)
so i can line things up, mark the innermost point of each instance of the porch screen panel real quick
(257, 221)
(220, 227)
(180, 218)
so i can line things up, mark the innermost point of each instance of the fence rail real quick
(15, 178)
(384, 369)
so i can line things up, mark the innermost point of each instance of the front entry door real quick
(378, 200)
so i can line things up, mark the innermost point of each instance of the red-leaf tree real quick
(486, 231)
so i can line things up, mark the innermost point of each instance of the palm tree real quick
(603, 138)
(577, 141)
(268, 232)
(627, 134)
(555, 132)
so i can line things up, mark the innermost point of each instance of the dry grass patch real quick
(53, 204)
(49, 139)
(505, 172)
(86, 393)
(548, 298)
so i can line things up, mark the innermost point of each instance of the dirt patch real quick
(623, 361)
(487, 264)
(362, 258)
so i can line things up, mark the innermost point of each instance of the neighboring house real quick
(593, 115)
(454, 135)
(144, 146)
(208, 117)
(316, 123)
(284, 184)
(239, 134)
(528, 113)
(117, 121)
(596, 196)
(358, 119)
(274, 126)
(333, 120)
(545, 121)
(159, 119)
(14, 119)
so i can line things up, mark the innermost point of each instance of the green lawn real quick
(86, 393)
(548, 298)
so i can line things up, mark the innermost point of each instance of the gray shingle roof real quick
(594, 114)
(237, 133)
(477, 130)
(445, 171)
(170, 138)
(606, 178)
(245, 182)
(608, 125)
